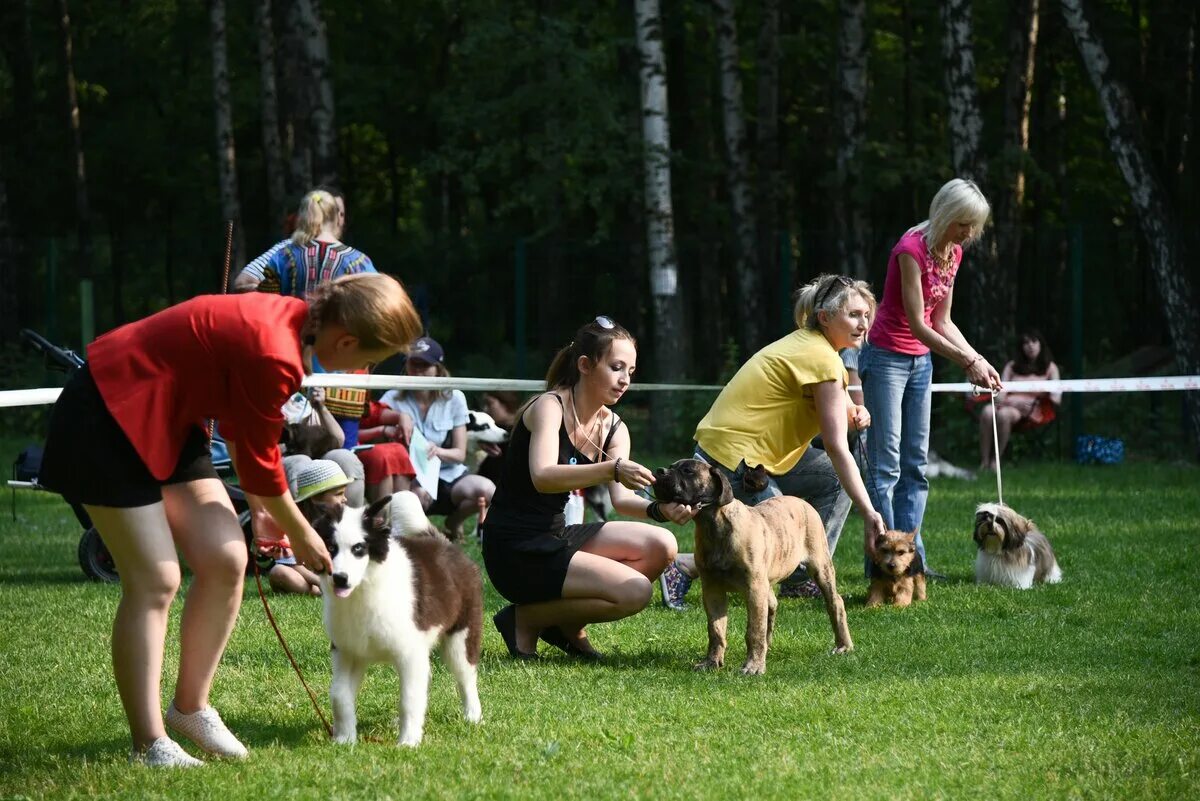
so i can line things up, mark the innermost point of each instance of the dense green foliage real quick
(1082, 690)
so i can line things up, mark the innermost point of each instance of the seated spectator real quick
(1033, 362)
(313, 432)
(320, 489)
(387, 464)
(441, 417)
(502, 405)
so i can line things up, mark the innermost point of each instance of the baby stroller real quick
(94, 558)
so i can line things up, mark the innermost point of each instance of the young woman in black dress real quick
(560, 578)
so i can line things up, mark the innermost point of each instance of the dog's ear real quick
(378, 516)
(880, 541)
(1018, 527)
(911, 536)
(724, 488)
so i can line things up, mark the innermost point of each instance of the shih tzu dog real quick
(1012, 552)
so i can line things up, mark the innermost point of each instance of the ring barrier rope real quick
(43, 396)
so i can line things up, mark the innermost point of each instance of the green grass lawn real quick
(1088, 689)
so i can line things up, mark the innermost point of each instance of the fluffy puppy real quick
(1012, 552)
(392, 599)
(891, 581)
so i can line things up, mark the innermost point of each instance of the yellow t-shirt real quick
(767, 413)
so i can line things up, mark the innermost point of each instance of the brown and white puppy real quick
(392, 599)
(746, 549)
(890, 581)
(1012, 552)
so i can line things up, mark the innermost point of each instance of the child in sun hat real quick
(320, 488)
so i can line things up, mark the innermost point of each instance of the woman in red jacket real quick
(128, 440)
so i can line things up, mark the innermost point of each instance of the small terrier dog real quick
(890, 581)
(1012, 552)
(392, 599)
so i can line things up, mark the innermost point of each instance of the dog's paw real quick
(842, 649)
(754, 668)
(345, 738)
(410, 740)
(709, 664)
(474, 715)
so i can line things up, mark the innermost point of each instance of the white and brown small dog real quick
(392, 599)
(1012, 552)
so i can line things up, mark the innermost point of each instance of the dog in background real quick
(481, 430)
(1012, 551)
(391, 599)
(746, 549)
(893, 580)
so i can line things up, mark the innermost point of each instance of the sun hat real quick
(319, 475)
(426, 349)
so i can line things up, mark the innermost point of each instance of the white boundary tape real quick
(41, 397)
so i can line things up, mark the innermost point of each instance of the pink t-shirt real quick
(890, 329)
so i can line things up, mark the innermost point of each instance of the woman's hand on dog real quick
(632, 475)
(874, 528)
(678, 513)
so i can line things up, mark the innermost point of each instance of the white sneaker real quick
(164, 753)
(205, 729)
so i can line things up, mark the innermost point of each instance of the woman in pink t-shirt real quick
(896, 365)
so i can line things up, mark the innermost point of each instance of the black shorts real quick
(88, 459)
(442, 505)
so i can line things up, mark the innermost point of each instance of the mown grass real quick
(1087, 689)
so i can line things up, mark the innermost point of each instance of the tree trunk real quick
(769, 178)
(1018, 94)
(297, 102)
(10, 268)
(16, 42)
(660, 216)
(1155, 213)
(272, 146)
(83, 212)
(849, 113)
(745, 227)
(989, 286)
(223, 113)
(316, 49)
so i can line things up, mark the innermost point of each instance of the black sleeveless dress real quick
(527, 545)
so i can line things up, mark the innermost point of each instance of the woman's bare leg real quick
(465, 496)
(207, 533)
(139, 540)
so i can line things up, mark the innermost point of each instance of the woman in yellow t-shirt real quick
(769, 412)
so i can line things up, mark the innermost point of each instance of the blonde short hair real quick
(828, 293)
(959, 200)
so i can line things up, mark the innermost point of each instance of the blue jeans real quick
(896, 393)
(813, 479)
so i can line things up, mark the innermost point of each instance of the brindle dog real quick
(746, 549)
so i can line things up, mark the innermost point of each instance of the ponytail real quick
(593, 341)
(316, 209)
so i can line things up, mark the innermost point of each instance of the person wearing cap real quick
(441, 417)
(320, 489)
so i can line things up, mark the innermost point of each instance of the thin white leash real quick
(996, 449)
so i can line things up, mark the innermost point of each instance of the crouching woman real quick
(560, 578)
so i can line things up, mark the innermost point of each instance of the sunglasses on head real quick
(605, 322)
(838, 280)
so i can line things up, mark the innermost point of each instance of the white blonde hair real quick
(317, 209)
(959, 200)
(828, 293)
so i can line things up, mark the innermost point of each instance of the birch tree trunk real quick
(269, 103)
(988, 282)
(83, 211)
(1155, 214)
(849, 113)
(660, 216)
(1018, 95)
(316, 49)
(745, 227)
(223, 114)
(769, 180)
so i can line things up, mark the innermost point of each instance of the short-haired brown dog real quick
(891, 580)
(746, 549)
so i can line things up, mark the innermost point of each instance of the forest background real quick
(506, 160)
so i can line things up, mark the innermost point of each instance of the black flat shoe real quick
(554, 636)
(506, 623)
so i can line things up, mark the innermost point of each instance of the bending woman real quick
(127, 439)
(560, 578)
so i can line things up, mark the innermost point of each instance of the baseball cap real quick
(426, 349)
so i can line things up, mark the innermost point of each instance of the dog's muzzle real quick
(341, 585)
